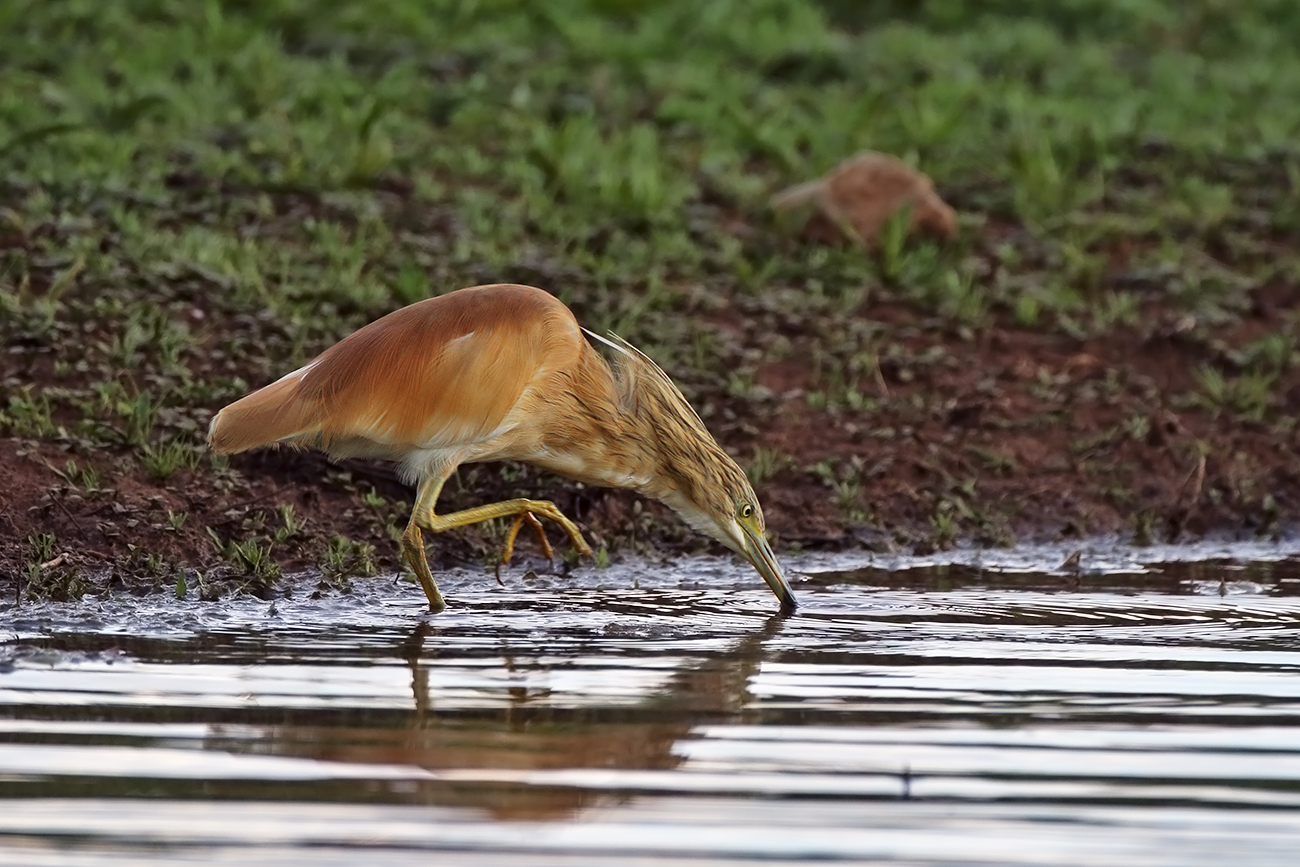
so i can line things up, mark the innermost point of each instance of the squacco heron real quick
(504, 372)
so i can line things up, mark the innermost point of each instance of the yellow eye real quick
(746, 511)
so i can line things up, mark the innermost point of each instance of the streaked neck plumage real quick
(645, 433)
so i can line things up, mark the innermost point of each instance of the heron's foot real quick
(509, 549)
(549, 510)
(413, 548)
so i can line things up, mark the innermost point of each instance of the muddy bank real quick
(1007, 436)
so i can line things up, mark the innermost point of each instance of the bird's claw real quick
(578, 542)
(508, 551)
(546, 510)
(575, 535)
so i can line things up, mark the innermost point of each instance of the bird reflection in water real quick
(531, 734)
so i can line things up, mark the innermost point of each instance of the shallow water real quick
(978, 708)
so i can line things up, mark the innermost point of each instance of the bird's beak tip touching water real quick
(759, 553)
(744, 539)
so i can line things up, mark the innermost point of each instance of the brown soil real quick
(1016, 434)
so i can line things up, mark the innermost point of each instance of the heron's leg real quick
(413, 543)
(544, 508)
(423, 517)
(509, 548)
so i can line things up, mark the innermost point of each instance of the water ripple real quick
(647, 716)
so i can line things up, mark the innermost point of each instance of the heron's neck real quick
(629, 428)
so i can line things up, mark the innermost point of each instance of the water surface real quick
(976, 708)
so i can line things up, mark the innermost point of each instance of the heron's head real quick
(715, 498)
(686, 468)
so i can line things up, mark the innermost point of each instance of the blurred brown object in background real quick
(859, 196)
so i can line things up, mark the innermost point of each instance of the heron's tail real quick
(275, 414)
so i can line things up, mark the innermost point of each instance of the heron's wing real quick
(438, 374)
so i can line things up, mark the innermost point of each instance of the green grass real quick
(200, 195)
(590, 145)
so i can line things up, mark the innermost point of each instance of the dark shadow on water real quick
(1222, 577)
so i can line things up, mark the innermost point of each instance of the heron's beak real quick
(759, 553)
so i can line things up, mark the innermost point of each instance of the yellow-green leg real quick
(423, 516)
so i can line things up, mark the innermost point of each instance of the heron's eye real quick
(746, 511)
